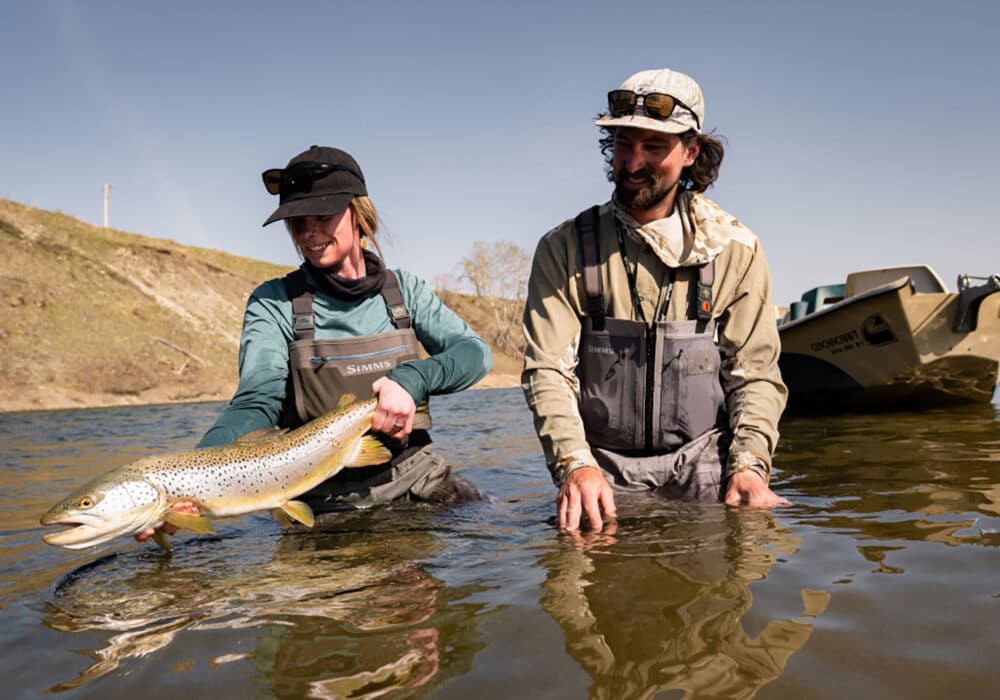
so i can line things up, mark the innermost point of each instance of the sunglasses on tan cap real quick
(657, 105)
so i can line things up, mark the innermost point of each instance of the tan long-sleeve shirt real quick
(747, 330)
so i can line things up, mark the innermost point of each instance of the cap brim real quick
(323, 205)
(669, 126)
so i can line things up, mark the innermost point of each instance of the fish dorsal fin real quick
(261, 435)
(186, 521)
(371, 452)
(297, 510)
(422, 417)
(345, 400)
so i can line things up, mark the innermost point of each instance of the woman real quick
(344, 324)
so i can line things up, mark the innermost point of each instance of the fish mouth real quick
(76, 535)
(79, 534)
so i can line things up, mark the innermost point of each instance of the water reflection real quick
(330, 614)
(658, 605)
(891, 511)
(929, 477)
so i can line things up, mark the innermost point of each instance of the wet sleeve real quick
(755, 393)
(552, 336)
(458, 356)
(263, 366)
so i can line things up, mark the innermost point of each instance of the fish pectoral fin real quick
(282, 517)
(296, 510)
(186, 521)
(371, 452)
(160, 537)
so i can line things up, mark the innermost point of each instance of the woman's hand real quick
(167, 528)
(395, 409)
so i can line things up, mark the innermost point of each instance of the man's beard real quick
(654, 191)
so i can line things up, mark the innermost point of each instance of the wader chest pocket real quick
(692, 398)
(611, 368)
(701, 362)
(361, 363)
(324, 370)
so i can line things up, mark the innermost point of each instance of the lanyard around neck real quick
(666, 287)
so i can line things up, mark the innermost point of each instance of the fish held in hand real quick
(229, 480)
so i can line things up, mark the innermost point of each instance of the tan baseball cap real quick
(688, 114)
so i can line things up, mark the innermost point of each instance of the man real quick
(652, 348)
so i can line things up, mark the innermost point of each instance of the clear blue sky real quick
(860, 134)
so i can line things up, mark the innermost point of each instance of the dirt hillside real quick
(97, 317)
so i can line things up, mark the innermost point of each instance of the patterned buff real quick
(713, 229)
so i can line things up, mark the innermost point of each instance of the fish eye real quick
(86, 502)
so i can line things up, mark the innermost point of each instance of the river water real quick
(881, 581)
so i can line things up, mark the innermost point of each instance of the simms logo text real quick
(600, 349)
(368, 367)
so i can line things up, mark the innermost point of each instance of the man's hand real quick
(395, 409)
(585, 490)
(167, 528)
(589, 539)
(748, 488)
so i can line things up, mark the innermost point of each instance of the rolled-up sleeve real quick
(750, 346)
(552, 334)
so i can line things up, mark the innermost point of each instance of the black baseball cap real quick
(320, 181)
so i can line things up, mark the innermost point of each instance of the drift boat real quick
(891, 338)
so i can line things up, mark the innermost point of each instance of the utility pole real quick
(107, 189)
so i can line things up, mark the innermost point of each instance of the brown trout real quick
(224, 481)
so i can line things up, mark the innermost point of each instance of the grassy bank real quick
(97, 317)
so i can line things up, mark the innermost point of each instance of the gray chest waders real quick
(646, 388)
(322, 371)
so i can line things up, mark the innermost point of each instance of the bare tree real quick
(445, 286)
(498, 273)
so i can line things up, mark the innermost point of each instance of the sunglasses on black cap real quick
(301, 176)
(657, 105)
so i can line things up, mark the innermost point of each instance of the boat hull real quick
(891, 347)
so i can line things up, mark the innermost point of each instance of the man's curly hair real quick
(697, 177)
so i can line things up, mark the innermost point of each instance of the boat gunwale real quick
(877, 291)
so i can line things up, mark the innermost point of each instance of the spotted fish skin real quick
(223, 481)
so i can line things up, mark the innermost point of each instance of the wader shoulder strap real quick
(302, 295)
(587, 226)
(393, 297)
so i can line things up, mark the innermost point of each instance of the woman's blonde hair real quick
(368, 221)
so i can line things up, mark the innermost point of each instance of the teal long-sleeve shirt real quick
(458, 356)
